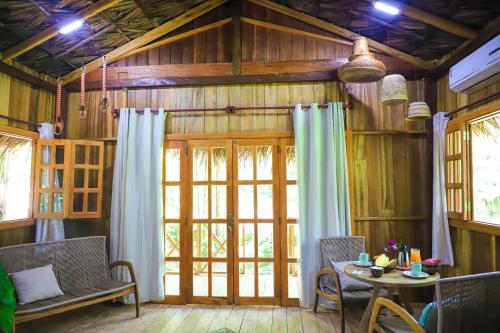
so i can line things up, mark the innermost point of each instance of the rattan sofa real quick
(81, 268)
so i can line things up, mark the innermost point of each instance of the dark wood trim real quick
(236, 54)
(491, 30)
(26, 77)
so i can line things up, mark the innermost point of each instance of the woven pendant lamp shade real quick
(392, 90)
(418, 111)
(362, 66)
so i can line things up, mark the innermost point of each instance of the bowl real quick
(377, 271)
(430, 269)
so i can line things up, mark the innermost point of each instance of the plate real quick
(422, 275)
(360, 264)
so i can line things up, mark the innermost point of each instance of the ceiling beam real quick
(327, 26)
(490, 31)
(177, 37)
(52, 31)
(26, 77)
(175, 74)
(436, 21)
(149, 36)
(294, 31)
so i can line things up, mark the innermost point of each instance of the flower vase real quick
(403, 258)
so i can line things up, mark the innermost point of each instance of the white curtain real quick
(322, 185)
(136, 203)
(48, 229)
(441, 242)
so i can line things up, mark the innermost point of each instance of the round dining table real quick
(392, 282)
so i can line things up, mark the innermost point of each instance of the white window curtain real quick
(136, 204)
(441, 242)
(322, 185)
(48, 229)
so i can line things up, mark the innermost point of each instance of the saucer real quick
(422, 275)
(363, 264)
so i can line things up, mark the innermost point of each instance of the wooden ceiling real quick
(426, 30)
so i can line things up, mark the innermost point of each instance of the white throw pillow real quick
(347, 283)
(35, 284)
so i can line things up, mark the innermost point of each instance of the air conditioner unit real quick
(478, 69)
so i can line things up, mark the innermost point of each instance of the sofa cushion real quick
(101, 288)
(35, 284)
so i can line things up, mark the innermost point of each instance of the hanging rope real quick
(103, 106)
(59, 123)
(83, 111)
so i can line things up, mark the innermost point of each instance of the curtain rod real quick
(20, 121)
(479, 101)
(230, 108)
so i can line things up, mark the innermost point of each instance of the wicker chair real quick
(328, 285)
(464, 304)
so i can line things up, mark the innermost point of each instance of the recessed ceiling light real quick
(386, 8)
(72, 26)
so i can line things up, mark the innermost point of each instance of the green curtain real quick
(322, 185)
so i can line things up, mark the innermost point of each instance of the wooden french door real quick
(230, 221)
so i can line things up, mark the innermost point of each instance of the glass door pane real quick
(256, 221)
(209, 222)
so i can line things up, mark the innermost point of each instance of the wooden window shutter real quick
(456, 171)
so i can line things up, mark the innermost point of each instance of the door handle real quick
(230, 221)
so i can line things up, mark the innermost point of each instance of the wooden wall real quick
(22, 101)
(391, 167)
(474, 251)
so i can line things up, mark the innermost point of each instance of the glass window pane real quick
(291, 164)
(219, 240)
(94, 155)
(79, 179)
(245, 202)
(293, 281)
(172, 165)
(246, 238)
(46, 154)
(44, 178)
(247, 279)
(219, 208)
(172, 202)
(219, 279)
(60, 154)
(265, 201)
(200, 278)
(200, 164)
(77, 202)
(57, 202)
(265, 237)
(200, 240)
(92, 202)
(200, 202)
(219, 168)
(266, 279)
(93, 181)
(44, 203)
(172, 239)
(292, 240)
(58, 178)
(172, 281)
(292, 202)
(80, 154)
(264, 162)
(245, 163)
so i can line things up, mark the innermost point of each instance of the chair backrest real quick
(342, 248)
(469, 303)
(77, 262)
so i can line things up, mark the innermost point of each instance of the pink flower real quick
(386, 250)
(392, 244)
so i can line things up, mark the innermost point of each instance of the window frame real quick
(33, 136)
(464, 121)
